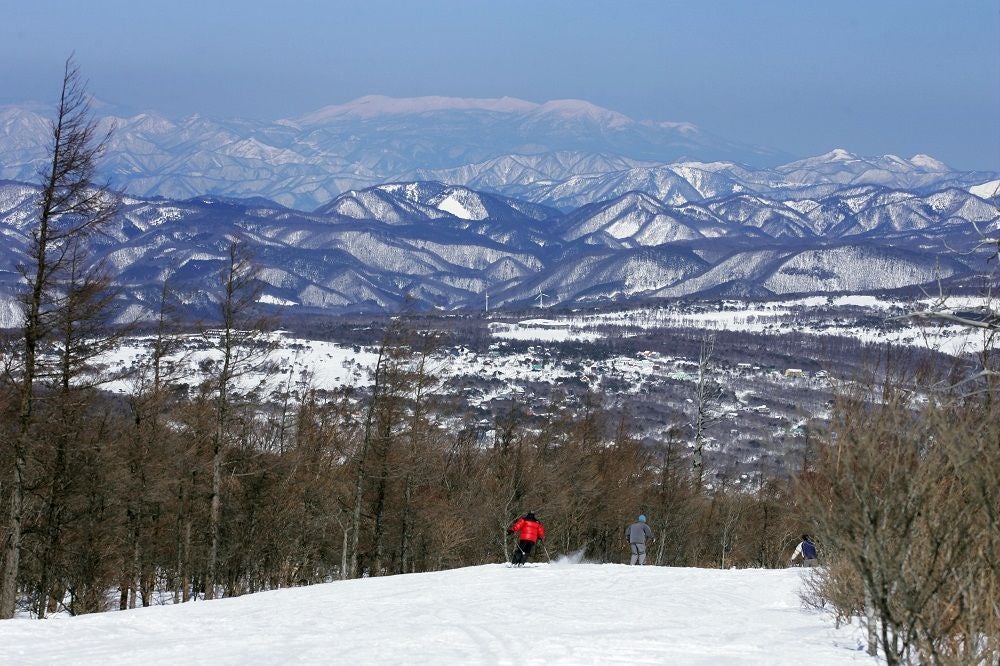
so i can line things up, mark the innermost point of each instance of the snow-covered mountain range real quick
(448, 246)
(439, 201)
(562, 153)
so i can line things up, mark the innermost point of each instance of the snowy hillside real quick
(445, 246)
(550, 614)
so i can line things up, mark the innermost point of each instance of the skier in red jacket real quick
(528, 530)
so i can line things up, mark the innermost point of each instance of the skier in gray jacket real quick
(638, 533)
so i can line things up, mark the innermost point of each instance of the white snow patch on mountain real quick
(453, 204)
(548, 614)
(275, 300)
(986, 190)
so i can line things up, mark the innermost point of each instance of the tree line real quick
(170, 493)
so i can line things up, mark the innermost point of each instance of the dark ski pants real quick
(521, 553)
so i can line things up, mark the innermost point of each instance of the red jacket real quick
(530, 530)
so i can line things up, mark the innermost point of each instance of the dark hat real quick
(529, 516)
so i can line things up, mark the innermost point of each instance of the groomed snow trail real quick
(548, 614)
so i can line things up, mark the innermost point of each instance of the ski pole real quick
(524, 557)
(545, 548)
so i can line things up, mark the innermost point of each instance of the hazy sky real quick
(873, 76)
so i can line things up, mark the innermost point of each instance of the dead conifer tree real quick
(70, 208)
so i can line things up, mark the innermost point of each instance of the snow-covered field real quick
(550, 614)
(775, 317)
(298, 363)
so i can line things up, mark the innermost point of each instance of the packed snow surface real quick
(548, 614)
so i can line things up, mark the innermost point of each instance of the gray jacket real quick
(638, 533)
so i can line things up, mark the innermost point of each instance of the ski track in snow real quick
(492, 614)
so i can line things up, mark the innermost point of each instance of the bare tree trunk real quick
(416, 436)
(241, 352)
(215, 512)
(404, 540)
(871, 623)
(359, 479)
(12, 544)
(52, 530)
(184, 544)
(180, 585)
(135, 581)
(705, 398)
(380, 493)
(379, 514)
(343, 556)
(187, 577)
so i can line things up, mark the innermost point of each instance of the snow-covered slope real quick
(549, 614)
(635, 219)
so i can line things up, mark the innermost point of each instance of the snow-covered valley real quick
(559, 613)
(777, 361)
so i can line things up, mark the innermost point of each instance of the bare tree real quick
(79, 335)
(902, 504)
(243, 348)
(70, 208)
(707, 395)
(361, 476)
(422, 382)
(147, 400)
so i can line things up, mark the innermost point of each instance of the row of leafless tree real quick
(904, 495)
(150, 497)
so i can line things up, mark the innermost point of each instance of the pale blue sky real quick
(873, 76)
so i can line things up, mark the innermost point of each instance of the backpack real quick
(808, 550)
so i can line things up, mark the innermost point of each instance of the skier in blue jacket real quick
(807, 551)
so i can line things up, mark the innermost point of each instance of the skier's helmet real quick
(642, 519)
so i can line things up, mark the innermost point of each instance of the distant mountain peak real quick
(878, 169)
(371, 106)
(374, 106)
(578, 108)
(838, 155)
(928, 163)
